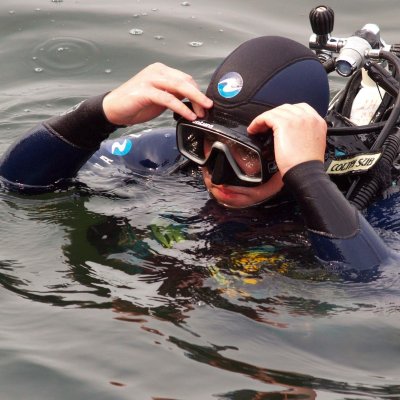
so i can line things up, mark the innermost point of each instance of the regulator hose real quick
(363, 189)
(379, 177)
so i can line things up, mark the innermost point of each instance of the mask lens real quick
(201, 146)
(247, 159)
(191, 143)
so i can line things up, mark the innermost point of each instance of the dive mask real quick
(231, 156)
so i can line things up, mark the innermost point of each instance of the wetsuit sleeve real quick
(338, 232)
(54, 151)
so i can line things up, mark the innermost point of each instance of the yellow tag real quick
(359, 163)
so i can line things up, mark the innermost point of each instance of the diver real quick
(258, 135)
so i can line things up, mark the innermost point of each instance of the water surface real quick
(96, 306)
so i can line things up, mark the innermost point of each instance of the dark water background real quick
(86, 318)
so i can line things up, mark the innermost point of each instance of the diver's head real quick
(262, 73)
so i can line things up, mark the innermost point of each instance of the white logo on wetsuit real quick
(121, 149)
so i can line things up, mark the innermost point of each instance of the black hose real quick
(369, 185)
(364, 189)
(355, 130)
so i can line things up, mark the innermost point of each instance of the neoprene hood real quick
(266, 72)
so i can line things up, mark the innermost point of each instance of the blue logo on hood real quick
(230, 85)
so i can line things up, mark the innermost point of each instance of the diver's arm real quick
(338, 231)
(55, 151)
(340, 235)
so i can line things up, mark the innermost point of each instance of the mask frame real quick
(220, 162)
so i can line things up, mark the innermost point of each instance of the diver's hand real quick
(299, 134)
(150, 92)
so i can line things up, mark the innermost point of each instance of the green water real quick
(84, 321)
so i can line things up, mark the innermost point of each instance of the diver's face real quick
(240, 196)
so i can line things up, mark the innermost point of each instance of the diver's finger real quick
(199, 110)
(260, 124)
(283, 114)
(183, 88)
(171, 102)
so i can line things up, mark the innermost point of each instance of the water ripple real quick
(66, 54)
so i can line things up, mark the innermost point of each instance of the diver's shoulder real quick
(151, 151)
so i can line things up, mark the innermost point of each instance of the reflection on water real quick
(145, 289)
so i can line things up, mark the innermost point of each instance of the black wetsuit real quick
(53, 153)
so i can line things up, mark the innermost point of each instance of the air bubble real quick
(108, 71)
(12, 12)
(38, 69)
(136, 31)
(159, 37)
(56, 1)
(195, 44)
(185, 4)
